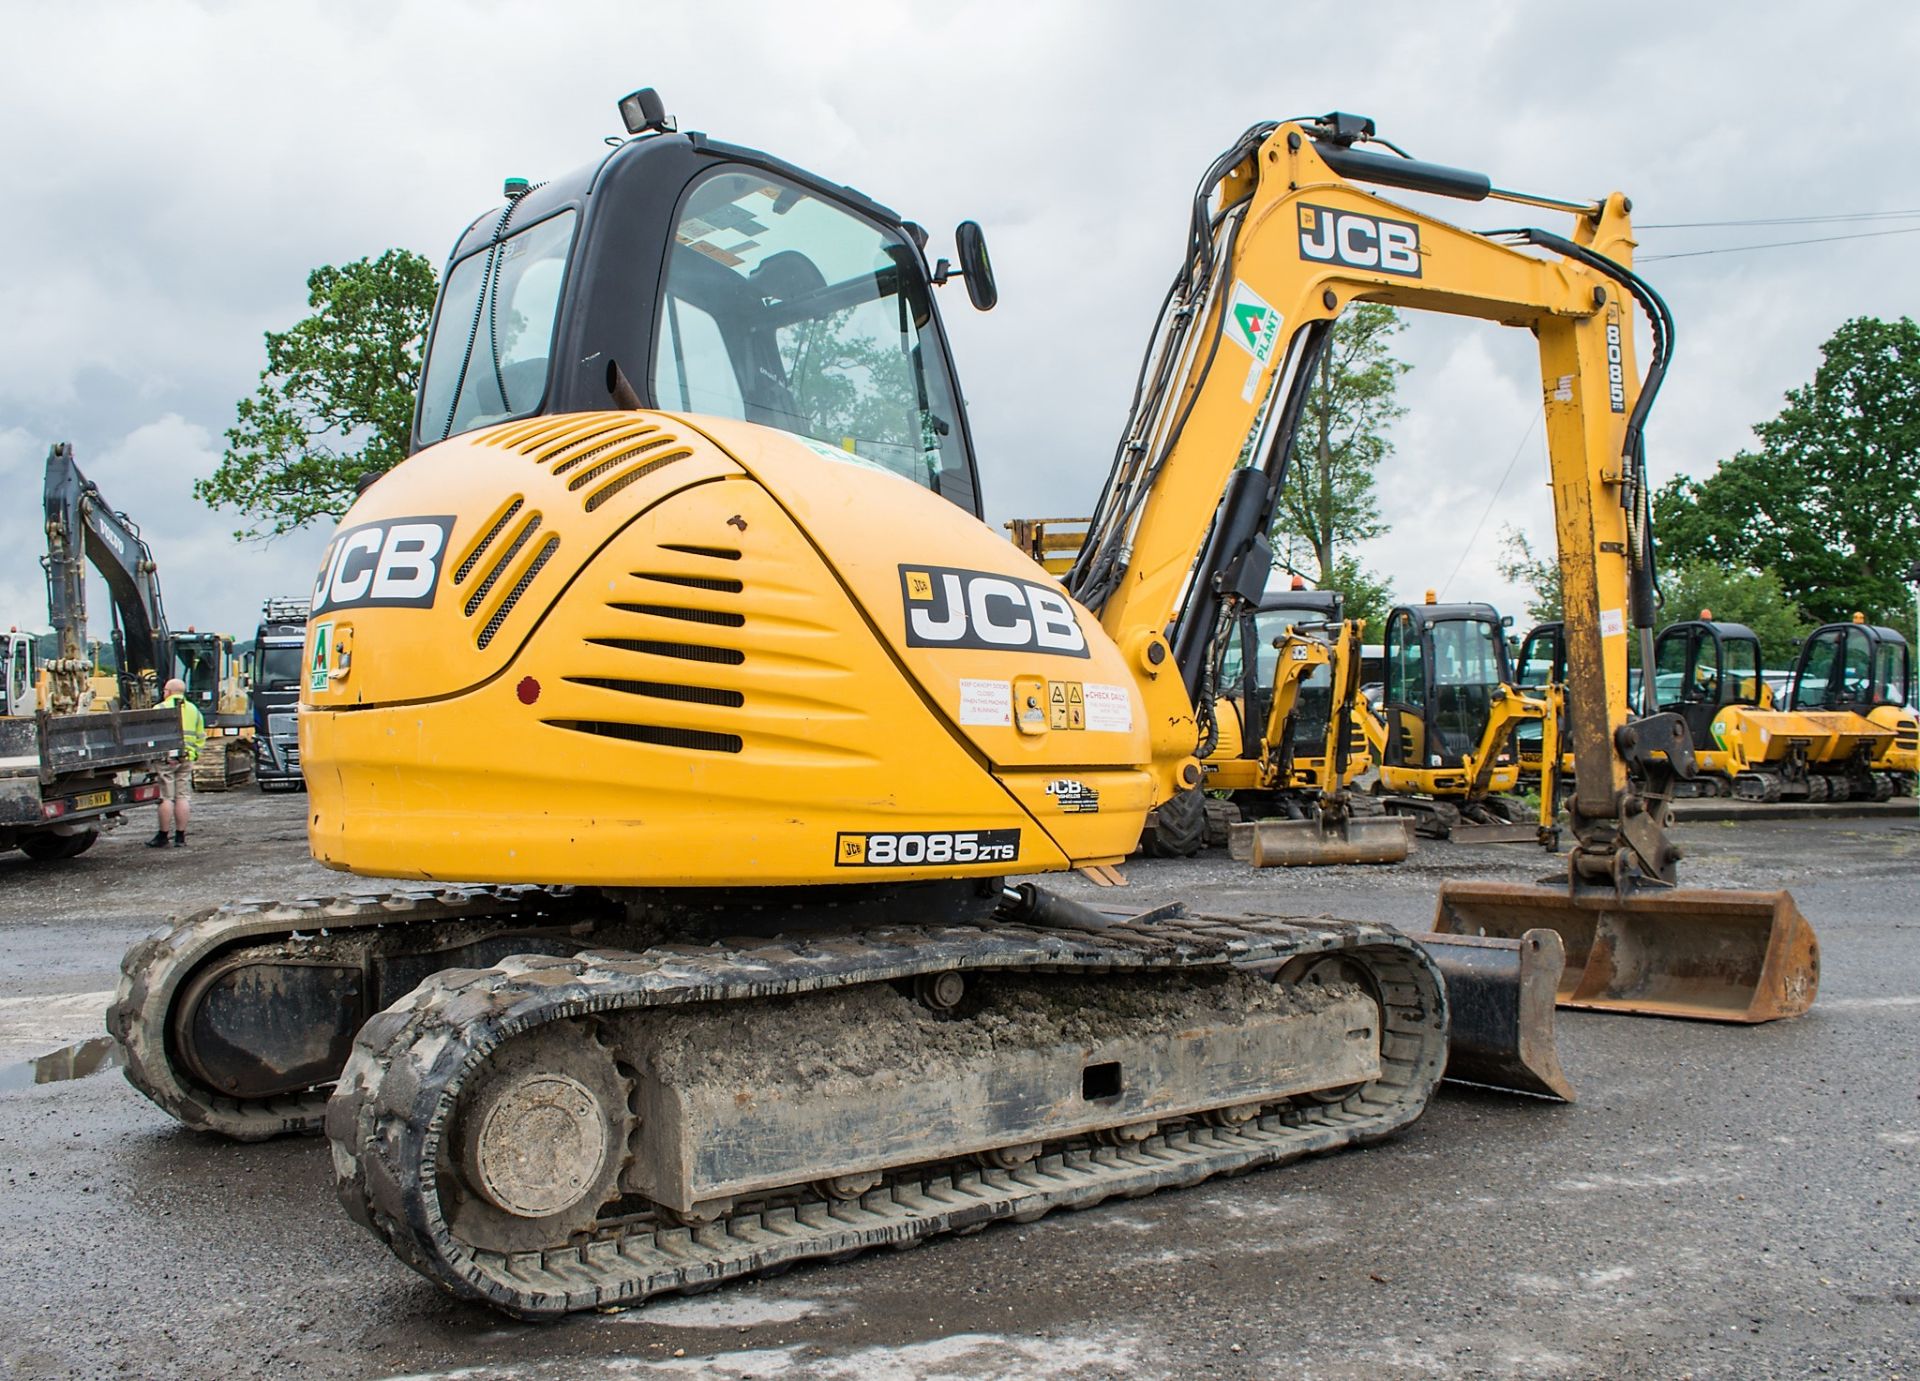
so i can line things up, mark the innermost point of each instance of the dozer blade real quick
(1304, 843)
(1500, 994)
(1707, 954)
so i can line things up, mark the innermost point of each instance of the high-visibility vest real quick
(193, 725)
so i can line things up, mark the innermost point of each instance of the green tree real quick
(1365, 595)
(1757, 599)
(1830, 500)
(335, 401)
(1329, 501)
(1518, 564)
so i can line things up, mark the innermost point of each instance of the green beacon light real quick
(516, 187)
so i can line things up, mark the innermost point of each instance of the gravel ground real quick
(1722, 1202)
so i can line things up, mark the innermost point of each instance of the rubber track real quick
(393, 1104)
(154, 969)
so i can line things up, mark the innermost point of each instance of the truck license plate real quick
(92, 799)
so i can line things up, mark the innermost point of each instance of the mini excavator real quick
(680, 640)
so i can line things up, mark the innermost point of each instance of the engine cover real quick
(636, 649)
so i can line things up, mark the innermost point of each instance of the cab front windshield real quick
(279, 666)
(784, 309)
(1467, 668)
(199, 666)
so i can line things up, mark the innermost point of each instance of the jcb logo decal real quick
(393, 564)
(948, 607)
(1361, 242)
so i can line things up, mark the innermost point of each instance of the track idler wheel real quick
(538, 1142)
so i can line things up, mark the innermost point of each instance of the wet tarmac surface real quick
(1722, 1202)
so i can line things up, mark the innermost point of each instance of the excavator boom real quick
(1284, 239)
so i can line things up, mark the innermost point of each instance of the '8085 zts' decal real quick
(911, 848)
(950, 607)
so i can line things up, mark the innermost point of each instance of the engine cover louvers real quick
(671, 706)
(497, 570)
(599, 455)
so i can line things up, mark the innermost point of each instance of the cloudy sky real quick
(176, 170)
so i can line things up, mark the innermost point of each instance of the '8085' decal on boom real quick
(950, 607)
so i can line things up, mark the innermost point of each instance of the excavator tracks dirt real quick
(160, 974)
(398, 1124)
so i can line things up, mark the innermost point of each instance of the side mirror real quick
(1506, 620)
(970, 243)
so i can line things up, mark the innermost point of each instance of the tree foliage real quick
(851, 387)
(1329, 501)
(1736, 596)
(1518, 564)
(335, 401)
(1830, 499)
(1365, 595)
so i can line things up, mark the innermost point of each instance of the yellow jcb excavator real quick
(1442, 742)
(1299, 792)
(1444, 734)
(680, 637)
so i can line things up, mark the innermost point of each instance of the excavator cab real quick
(1248, 669)
(1700, 667)
(698, 277)
(204, 661)
(1446, 667)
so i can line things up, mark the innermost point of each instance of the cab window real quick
(790, 311)
(1466, 652)
(1406, 675)
(1539, 655)
(1743, 670)
(1812, 687)
(494, 331)
(1270, 627)
(1672, 662)
(1856, 668)
(1890, 674)
(16, 682)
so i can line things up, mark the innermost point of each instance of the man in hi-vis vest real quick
(176, 775)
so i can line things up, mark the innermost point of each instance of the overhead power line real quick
(1779, 244)
(1505, 475)
(1781, 220)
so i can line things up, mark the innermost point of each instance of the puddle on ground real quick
(74, 1061)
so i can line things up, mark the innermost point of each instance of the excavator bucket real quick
(1303, 843)
(1500, 995)
(1706, 954)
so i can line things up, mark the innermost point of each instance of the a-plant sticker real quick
(1252, 324)
(322, 654)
